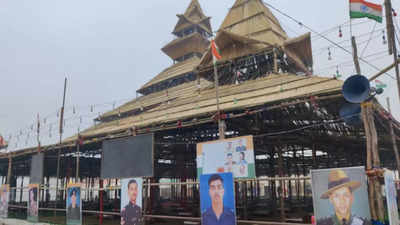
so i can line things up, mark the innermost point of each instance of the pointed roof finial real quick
(252, 19)
(193, 15)
(192, 8)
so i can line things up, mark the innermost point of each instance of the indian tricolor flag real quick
(215, 52)
(362, 9)
(380, 84)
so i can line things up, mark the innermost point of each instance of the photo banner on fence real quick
(4, 198)
(391, 201)
(217, 199)
(74, 204)
(131, 201)
(235, 155)
(33, 203)
(37, 164)
(128, 157)
(340, 196)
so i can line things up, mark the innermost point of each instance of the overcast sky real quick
(108, 49)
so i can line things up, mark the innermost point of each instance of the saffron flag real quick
(364, 9)
(3, 142)
(215, 51)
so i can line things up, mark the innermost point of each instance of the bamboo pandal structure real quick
(266, 90)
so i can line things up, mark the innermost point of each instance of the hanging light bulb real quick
(329, 54)
(337, 72)
(340, 32)
(384, 37)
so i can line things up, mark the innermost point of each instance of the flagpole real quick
(221, 123)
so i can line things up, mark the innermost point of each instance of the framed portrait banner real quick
(33, 203)
(4, 198)
(235, 155)
(131, 201)
(217, 199)
(390, 190)
(340, 196)
(74, 204)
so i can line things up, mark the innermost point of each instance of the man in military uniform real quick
(340, 195)
(217, 214)
(131, 214)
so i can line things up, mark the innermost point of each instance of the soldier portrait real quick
(33, 202)
(217, 200)
(131, 201)
(4, 193)
(74, 204)
(340, 196)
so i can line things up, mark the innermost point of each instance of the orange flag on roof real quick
(215, 51)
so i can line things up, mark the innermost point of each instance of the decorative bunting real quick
(384, 37)
(329, 54)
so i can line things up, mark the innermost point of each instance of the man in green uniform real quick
(340, 195)
(131, 214)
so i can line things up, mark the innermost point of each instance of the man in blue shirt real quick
(217, 214)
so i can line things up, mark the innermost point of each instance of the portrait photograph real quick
(74, 204)
(4, 197)
(33, 203)
(131, 201)
(217, 199)
(391, 200)
(234, 155)
(340, 196)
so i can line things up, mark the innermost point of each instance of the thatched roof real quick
(193, 16)
(175, 70)
(186, 102)
(251, 18)
(190, 43)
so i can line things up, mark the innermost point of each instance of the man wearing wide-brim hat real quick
(340, 194)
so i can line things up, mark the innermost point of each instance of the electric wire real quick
(324, 37)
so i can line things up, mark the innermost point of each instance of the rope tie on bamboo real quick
(366, 104)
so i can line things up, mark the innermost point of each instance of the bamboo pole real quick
(9, 169)
(77, 158)
(58, 152)
(392, 134)
(392, 42)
